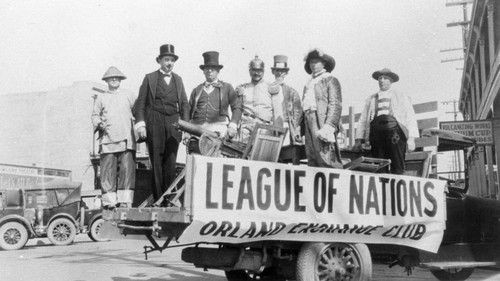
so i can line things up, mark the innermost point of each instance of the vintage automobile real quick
(54, 209)
(470, 239)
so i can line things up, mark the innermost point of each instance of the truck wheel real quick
(334, 261)
(95, 227)
(244, 275)
(61, 232)
(13, 236)
(453, 273)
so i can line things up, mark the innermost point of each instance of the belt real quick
(251, 115)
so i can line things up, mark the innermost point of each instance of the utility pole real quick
(457, 166)
(464, 24)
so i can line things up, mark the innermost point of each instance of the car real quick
(55, 210)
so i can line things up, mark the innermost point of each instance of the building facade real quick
(479, 94)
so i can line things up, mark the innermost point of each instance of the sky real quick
(54, 43)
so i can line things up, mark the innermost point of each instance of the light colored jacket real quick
(400, 108)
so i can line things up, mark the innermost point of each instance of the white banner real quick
(238, 201)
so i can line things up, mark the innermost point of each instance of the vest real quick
(207, 109)
(166, 100)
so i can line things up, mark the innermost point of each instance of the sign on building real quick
(481, 131)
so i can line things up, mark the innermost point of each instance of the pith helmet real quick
(113, 72)
(256, 63)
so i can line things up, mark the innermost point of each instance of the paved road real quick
(122, 260)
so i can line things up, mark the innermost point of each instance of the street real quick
(123, 260)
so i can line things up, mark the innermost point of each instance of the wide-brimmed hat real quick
(211, 59)
(386, 72)
(113, 72)
(280, 62)
(318, 54)
(167, 50)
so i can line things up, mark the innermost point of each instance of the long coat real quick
(147, 94)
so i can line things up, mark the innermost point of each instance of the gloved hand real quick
(185, 137)
(357, 145)
(231, 132)
(297, 138)
(141, 131)
(411, 144)
(326, 134)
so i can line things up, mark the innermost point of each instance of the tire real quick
(334, 261)
(453, 273)
(94, 229)
(61, 232)
(244, 275)
(13, 236)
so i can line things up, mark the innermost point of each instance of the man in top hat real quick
(257, 102)
(291, 112)
(161, 103)
(210, 102)
(112, 116)
(387, 123)
(322, 105)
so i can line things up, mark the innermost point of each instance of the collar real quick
(163, 72)
(318, 74)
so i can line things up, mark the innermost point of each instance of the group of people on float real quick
(387, 122)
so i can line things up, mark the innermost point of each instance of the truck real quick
(258, 220)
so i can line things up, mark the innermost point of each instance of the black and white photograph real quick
(238, 140)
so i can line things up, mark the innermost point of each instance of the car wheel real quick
(13, 236)
(61, 232)
(95, 227)
(453, 273)
(333, 261)
(245, 275)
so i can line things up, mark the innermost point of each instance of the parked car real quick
(54, 210)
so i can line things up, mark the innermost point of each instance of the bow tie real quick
(166, 74)
(210, 84)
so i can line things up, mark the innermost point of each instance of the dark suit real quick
(162, 138)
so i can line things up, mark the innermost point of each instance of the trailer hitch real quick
(156, 246)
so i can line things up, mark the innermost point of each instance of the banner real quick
(238, 201)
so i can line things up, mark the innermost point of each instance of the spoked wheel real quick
(13, 236)
(94, 230)
(453, 273)
(334, 262)
(244, 275)
(61, 232)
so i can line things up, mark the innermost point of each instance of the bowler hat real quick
(386, 72)
(113, 72)
(318, 54)
(280, 62)
(211, 59)
(167, 50)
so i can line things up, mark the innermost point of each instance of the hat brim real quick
(118, 76)
(218, 66)
(329, 61)
(394, 76)
(176, 57)
(283, 68)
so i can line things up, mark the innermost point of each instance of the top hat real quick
(113, 72)
(386, 72)
(280, 62)
(167, 50)
(317, 54)
(211, 59)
